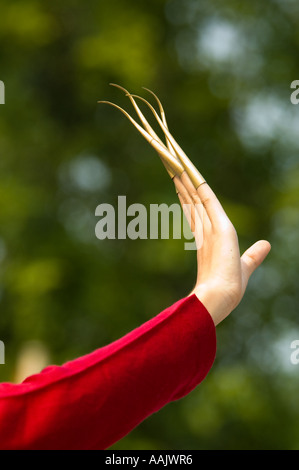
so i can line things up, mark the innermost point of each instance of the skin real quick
(222, 274)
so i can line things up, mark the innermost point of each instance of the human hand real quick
(222, 274)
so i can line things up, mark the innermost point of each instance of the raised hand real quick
(222, 274)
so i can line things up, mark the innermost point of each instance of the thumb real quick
(253, 257)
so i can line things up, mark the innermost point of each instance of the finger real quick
(186, 202)
(194, 221)
(188, 212)
(182, 189)
(193, 195)
(214, 209)
(195, 213)
(187, 189)
(253, 257)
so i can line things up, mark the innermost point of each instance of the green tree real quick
(223, 72)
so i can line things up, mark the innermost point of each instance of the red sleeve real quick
(95, 400)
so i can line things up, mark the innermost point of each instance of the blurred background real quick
(223, 72)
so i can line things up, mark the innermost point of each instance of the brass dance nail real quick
(171, 162)
(145, 123)
(196, 178)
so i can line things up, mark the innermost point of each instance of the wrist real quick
(218, 306)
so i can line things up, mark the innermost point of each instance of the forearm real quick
(93, 401)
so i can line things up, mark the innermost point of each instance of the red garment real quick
(95, 400)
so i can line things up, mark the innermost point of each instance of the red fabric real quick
(95, 400)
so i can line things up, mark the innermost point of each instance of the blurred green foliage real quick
(223, 72)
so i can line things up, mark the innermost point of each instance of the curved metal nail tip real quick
(171, 162)
(163, 117)
(196, 178)
(145, 123)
